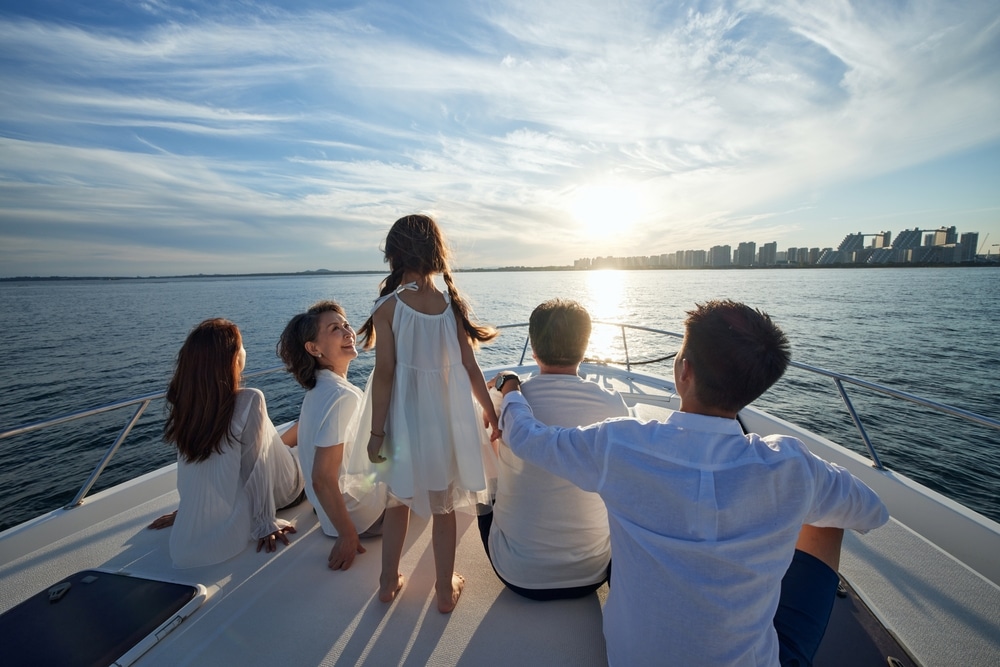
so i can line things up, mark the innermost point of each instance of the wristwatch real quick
(502, 380)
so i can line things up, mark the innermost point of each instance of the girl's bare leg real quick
(444, 540)
(397, 520)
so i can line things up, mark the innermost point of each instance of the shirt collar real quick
(329, 375)
(706, 423)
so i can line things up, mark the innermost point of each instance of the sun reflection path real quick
(606, 300)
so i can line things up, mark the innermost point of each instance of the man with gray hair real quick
(548, 539)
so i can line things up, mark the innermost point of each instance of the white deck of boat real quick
(287, 607)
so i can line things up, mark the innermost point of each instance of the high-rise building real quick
(944, 236)
(908, 238)
(851, 243)
(768, 255)
(746, 253)
(720, 255)
(969, 243)
(882, 240)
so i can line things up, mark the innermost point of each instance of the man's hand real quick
(343, 552)
(506, 382)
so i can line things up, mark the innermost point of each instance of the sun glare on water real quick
(605, 302)
(606, 209)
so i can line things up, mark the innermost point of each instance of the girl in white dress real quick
(317, 347)
(422, 397)
(233, 469)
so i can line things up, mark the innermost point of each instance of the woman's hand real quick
(374, 447)
(270, 543)
(343, 552)
(164, 521)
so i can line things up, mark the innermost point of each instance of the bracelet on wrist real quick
(377, 435)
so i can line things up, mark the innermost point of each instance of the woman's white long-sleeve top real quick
(230, 498)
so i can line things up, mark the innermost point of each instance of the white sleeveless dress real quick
(435, 440)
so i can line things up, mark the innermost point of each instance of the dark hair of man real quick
(201, 397)
(736, 353)
(415, 243)
(301, 329)
(559, 330)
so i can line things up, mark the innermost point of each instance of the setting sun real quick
(605, 209)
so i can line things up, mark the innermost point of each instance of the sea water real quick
(76, 344)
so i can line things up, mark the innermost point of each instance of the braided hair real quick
(415, 243)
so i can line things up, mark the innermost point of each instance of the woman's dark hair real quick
(202, 393)
(559, 330)
(301, 329)
(736, 352)
(415, 243)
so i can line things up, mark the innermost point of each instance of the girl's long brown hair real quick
(415, 243)
(202, 393)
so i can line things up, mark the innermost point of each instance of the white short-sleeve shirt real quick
(547, 532)
(330, 416)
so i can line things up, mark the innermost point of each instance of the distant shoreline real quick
(512, 269)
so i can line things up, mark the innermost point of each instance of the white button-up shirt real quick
(704, 521)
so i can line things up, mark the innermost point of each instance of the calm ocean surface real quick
(72, 345)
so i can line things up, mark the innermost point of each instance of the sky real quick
(154, 138)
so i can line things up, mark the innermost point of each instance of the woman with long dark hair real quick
(233, 470)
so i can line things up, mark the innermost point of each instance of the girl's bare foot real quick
(448, 598)
(387, 588)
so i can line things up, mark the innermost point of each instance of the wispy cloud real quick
(257, 137)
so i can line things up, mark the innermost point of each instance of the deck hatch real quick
(95, 618)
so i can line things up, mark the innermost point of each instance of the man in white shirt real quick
(546, 538)
(726, 544)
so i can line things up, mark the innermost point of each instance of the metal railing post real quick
(857, 422)
(628, 360)
(85, 489)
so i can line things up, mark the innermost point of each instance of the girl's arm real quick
(382, 377)
(479, 389)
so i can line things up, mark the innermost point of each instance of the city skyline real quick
(912, 246)
(161, 138)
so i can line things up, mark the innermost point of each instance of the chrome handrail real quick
(143, 403)
(838, 378)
